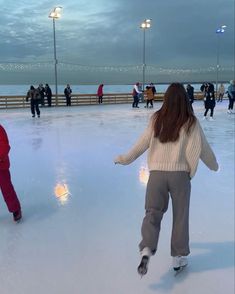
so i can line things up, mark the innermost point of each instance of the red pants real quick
(8, 191)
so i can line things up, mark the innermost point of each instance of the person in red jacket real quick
(6, 186)
(100, 93)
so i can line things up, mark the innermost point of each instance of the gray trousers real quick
(161, 185)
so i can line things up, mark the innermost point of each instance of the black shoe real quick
(143, 267)
(17, 215)
(33, 115)
(38, 115)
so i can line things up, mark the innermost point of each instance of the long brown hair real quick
(175, 112)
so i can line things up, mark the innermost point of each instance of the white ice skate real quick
(143, 266)
(211, 119)
(179, 263)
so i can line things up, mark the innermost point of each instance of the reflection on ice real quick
(62, 193)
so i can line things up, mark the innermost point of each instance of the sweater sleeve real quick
(138, 149)
(4, 144)
(207, 155)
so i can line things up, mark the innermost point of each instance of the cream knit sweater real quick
(182, 155)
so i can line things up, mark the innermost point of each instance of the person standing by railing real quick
(68, 94)
(6, 186)
(35, 99)
(48, 94)
(100, 93)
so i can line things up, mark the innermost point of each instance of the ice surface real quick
(86, 240)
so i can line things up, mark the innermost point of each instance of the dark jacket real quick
(67, 92)
(48, 91)
(33, 94)
(190, 92)
(209, 96)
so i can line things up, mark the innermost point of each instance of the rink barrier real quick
(18, 101)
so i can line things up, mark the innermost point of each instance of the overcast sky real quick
(101, 41)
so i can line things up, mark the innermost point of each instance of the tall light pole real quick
(146, 24)
(219, 32)
(55, 14)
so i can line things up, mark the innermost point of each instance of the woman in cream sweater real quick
(175, 142)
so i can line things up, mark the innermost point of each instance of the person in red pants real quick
(6, 186)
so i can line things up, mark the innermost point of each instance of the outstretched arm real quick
(139, 148)
(207, 155)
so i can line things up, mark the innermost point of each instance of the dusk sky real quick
(101, 41)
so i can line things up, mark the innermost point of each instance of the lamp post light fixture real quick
(219, 32)
(146, 24)
(55, 14)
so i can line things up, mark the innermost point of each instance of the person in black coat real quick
(190, 92)
(209, 100)
(48, 94)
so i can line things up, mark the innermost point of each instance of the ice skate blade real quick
(142, 271)
(179, 269)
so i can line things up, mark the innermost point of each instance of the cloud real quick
(107, 32)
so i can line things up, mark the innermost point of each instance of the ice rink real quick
(82, 214)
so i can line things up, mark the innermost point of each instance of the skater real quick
(190, 92)
(48, 94)
(6, 186)
(175, 143)
(67, 93)
(231, 96)
(100, 93)
(221, 92)
(35, 98)
(41, 91)
(149, 97)
(209, 101)
(136, 92)
(151, 85)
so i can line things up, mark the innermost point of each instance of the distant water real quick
(11, 90)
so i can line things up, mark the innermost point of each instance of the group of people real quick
(150, 92)
(68, 94)
(138, 93)
(210, 99)
(208, 94)
(36, 97)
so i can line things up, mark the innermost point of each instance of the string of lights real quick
(67, 66)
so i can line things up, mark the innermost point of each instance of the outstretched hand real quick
(117, 160)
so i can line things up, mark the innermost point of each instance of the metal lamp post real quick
(219, 32)
(146, 24)
(55, 14)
